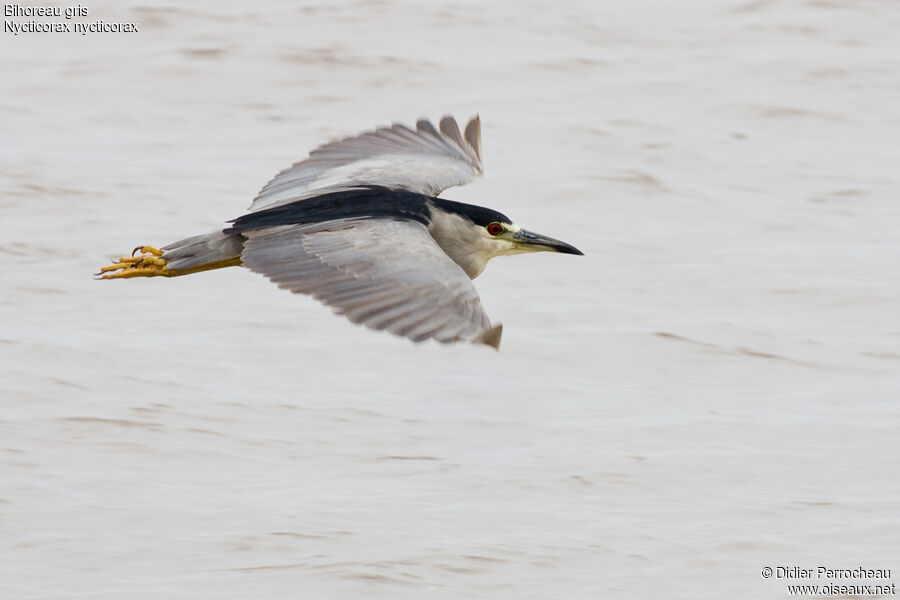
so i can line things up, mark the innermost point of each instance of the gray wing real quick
(383, 273)
(423, 160)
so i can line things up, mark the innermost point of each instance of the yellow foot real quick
(149, 263)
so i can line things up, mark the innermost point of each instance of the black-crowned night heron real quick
(358, 226)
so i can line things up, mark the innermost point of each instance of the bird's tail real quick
(212, 250)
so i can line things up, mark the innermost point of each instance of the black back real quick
(369, 201)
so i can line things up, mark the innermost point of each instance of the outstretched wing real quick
(383, 273)
(424, 160)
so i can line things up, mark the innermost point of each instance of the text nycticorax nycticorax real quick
(358, 226)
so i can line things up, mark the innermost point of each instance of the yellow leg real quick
(149, 263)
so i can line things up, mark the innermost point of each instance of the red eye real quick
(495, 229)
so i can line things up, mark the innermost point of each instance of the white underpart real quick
(469, 245)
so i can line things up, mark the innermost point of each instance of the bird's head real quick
(472, 235)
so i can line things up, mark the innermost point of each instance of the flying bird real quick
(358, 226)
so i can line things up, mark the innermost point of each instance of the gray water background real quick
(712, 389)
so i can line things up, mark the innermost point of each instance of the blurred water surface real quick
(711, 389)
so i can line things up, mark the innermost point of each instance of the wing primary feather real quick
(451, 130)
(382, 314)
(425, 126)
(491, 337)
(432, 328)
(473, 136)
(390, 316)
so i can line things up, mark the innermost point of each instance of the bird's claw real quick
(147, 264)
(147, 250)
